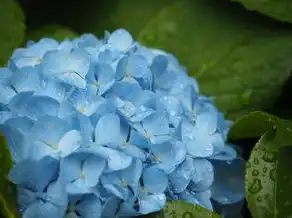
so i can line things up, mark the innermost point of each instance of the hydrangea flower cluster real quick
(106, 128)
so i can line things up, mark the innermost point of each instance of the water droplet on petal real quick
(270, 156)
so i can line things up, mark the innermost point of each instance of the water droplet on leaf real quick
(255, 187)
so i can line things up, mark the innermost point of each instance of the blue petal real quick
(22, 124)
(26, 79)
(70, 142)
(83, 124)
(181, 177)
(201, 198)
(157, 124)
(132, 174)
(116, 159)
(111, 207)
(228, 185)
(203, 175)
(121, 40)
(44, 210)
(85, 102)
(152, 203)
(201, 146)
(207, 122)
(90, 207)
(5, 75)
(114, 184)
(169, 155)
(56, 193)
(137, 66)
(126, 89)
(49, 129)
(6, 93)
(78, 186)
(227, 153)
(35, 175)
(107, 130)
(70, 168)
(105, 78)
(155, 180)
(159, 65)
(70, 68)
(52, 89)
(93, 167)
(19, 145)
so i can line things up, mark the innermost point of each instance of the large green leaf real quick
(268, 179)
(181, 209)
(51, 31)
(239, 60)
(12, 28)
(8, 206)
(256, 124)
(279, 9)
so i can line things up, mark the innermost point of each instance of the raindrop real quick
(248, 165)
(270, 156)
(265, 169)
(273, 174)
(256, 161)
(259, 199)
(255, 187)
(255, 172)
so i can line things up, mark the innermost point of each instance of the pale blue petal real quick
(169, 155)
(22, 124)
(105, 77)
(137, 66)
(126, 89)
(207, 122)
(70, 168)
(133, 150)
(49, 129)
(159, 65)
(90, 207)
(71, 68)
(6, 93)
(228, 153)
(156, 124)
(155, 180)
(77, 187)
(40, 149)
(114, 184)
(181, 177)
(152, 203)
(201, 199)
(110, 207)
(44, 210)
(35, 175)
(228, 185)
(52, 89)
(133, 173)
(85, 101)
(93, 167)
(57, 194)
(139, 140)
(121, 40)
(26, 79)
(19, 145)
(70, 142)
(107, 130)
(203, 175)
(201, 146)
(116, 159)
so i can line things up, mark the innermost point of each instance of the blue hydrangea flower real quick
(107, 127)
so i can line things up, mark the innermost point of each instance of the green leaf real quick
(12, 28)
(284, 183)
(268, 179)
(8, 206)
(280, 9)
(56, 32)
(236, 56)
(252, 125)
(256, 124)
(181, 209)
(242, 63)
